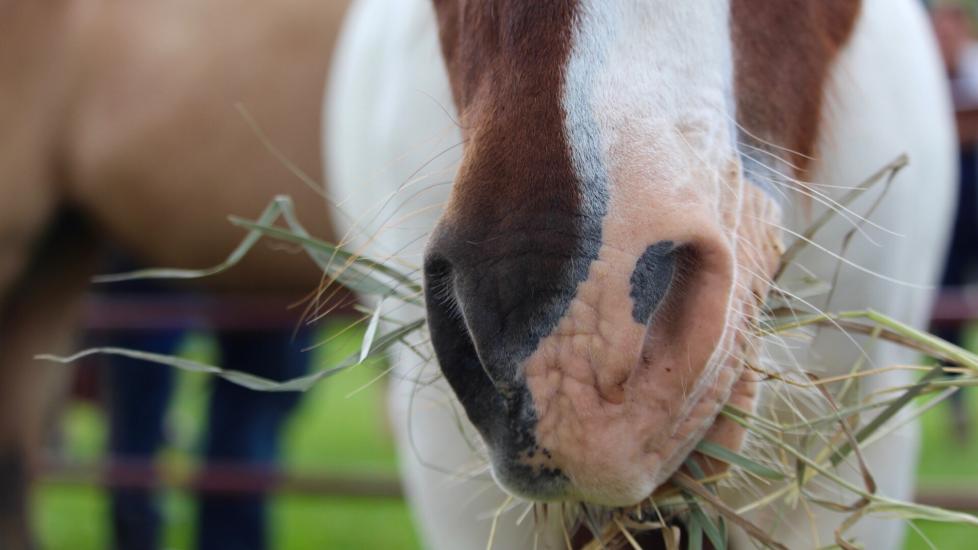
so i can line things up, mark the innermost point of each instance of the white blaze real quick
(651, 118)
(641, 72)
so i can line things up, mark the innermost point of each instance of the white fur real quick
(388, 115)
(639, 70)
(649, 92)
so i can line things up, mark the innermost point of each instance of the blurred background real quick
(155, 457)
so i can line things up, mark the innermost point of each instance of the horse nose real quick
(493, 297)
(574, 353)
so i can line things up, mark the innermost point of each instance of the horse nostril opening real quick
(652, 278)
(445, 320)
(455, 348)
(439, 286)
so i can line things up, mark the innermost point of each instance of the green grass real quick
(944, 462)
(341, 426)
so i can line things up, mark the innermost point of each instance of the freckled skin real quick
(621, 404)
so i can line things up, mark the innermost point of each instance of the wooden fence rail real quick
(222, 478)
(107, 314)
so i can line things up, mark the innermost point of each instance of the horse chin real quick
(711, 425)
(628, 488)
(611, 477)
(607, 406)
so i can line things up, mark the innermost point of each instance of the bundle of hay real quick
(802, 447)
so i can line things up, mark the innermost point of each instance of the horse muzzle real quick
(589, 376)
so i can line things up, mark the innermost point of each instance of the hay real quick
(800, 450)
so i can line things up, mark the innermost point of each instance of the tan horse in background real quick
(119, 126)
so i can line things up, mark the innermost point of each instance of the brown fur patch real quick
(784, 51)
(125, 111)
(156, 153)
(505, 61)
(513, 233)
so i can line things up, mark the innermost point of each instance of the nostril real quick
(436, 267)
(439, 286)
(650, 281)
(455, 348)
(692, 314)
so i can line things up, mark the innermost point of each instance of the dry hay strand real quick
(803, 449)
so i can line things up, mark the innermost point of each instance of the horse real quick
(598, 194)
(120, 126)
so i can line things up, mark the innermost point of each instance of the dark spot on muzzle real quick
(521, 230)
(493, 292)
(486, 316)
(651, 279)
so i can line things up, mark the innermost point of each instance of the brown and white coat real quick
(624, 175)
